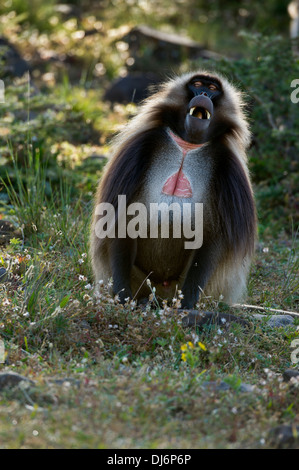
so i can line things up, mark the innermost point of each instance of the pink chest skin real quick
(178, 184)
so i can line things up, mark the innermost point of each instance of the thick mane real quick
(127, 169)
(136, 142)
(235, 203)
(171, 98)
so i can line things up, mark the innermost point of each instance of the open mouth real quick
(198, 119)
(199, 113)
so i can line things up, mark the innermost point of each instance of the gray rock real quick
(223, 386)
(12, 379)
(14, 64)
(3, 275)
(133, 88)
(217, 386)
(66, 381)
(247, 388)
(200, 319)
(284, 437)
(289, 374)
(275, 321)
(162, 49)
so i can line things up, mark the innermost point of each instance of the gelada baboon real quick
(187, 144)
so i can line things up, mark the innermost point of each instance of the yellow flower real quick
(191, 345)
(184, 347)
(202, 346)
(184, 357)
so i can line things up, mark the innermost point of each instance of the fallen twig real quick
(265, 309)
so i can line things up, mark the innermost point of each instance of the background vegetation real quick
(109, 376)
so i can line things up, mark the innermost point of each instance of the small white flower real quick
(195, 338)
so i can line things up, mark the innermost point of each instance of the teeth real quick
(198, 113)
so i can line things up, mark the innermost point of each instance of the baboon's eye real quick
(213, 87)
(197, 84)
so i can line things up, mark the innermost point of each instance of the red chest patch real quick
(178, 184)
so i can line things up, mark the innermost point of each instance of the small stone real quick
(275, 321)
(217, 386)
(247, 388)
(132, 88)
(3, 274)
(200, 319)
(284, 437)
(288, 374)
(66, 381)
(223, 386)
(11, 379)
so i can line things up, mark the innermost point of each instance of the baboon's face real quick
(204, 94)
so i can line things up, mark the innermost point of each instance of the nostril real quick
(204, 93)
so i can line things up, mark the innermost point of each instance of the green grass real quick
(128, 384)
(155, 406)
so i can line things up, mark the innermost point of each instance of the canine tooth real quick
(208, 115)
(192, 111)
